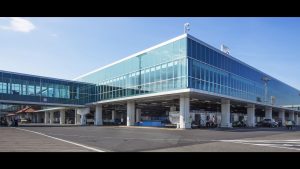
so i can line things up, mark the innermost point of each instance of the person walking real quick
(289, 124)
(213, 121)
(16, 122)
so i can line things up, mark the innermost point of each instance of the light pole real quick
(186, 27)
(266, 80)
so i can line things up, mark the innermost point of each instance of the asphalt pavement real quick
(135, 139)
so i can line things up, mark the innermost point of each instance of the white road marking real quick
(285, 144)
(70, 142)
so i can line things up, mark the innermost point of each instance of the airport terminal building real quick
(182, 81)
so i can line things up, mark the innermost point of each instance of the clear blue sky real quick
(69, 47)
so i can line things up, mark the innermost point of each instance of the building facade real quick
(182, 75)
(188, 65)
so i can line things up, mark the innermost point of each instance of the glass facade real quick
(216, 72)
(188, 63)
(20, 87)
(184, 62)
(160, 69)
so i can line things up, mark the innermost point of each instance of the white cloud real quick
(19, 25)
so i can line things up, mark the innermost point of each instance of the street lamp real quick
(266, 80)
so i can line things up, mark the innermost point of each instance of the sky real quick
(69, 47)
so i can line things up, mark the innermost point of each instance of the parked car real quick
(195, 125)
(3, 123)
(267, 123)
(293, 122)
(239, 123)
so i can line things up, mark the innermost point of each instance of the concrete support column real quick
(268, 113)
(282, 117)
(138, 115)
(83, 112)
(130, 113)
(77, 118)
(78, 115)
(83, 119)
(62, 116)
(51, 117)
(46, 117)
(291, 116)
(251, 115)
(296, 119)
(184, 118)
(225, 113)
(113, 115)
(98, 115)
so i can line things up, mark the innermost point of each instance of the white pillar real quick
(77, 118)
(98, 115)
(282, 117)
(62, 116)
(251, 115)
(78, 112)
(83, 112)
(130, 113)
(113, 115)
(225, 113)
(82, 119)
(138, 115)
(51, 117)
(184, 118)
(268, 113)
(291, 116)
(46, 121)
(296, 118)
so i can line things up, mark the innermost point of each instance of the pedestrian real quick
(213, 121)
(16, 122)
(289, 124)
(208, 121)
